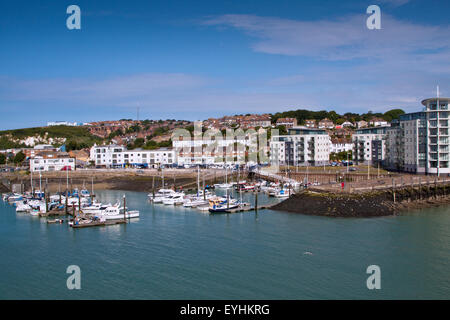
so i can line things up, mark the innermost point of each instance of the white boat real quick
(116, 213)
(74, 201)
(97, 208)
(195, 202)
(15, 197)
(23, 207)
(223, 185)
(81, 221)
(272, 192)
(85, 193)
(221, 205)
(174, 199)
(57, 197)
(283, 193)
(160, 195)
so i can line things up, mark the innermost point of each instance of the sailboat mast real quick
(162, 174)
(198, 180)
(226, 173)
(31, 182)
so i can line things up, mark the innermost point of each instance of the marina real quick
(174, 252)
(85, 211)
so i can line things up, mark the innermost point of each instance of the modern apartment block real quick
(113, 156)
(301, 147)
(419, 141)
(51, 163)
(369, 145)
(214, 151)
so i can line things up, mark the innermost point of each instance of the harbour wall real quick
(386, 202)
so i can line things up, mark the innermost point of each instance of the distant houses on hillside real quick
(287, 122)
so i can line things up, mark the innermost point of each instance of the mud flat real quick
(370, 204)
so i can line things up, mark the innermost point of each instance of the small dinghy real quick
(55, 221)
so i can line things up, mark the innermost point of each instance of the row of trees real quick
(17, 159)
(301, 115)
(149, 145)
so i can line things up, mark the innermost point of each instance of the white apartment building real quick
(369, 145)
(419, 142)
(302, 146)
(214, 151)
(340, 145)
(113, 156)
(51, 164)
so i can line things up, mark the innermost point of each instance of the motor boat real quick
(82, 221)
(223, 185)
(160, 195)
(195, 202)
(85, 193)
(116, 213)
(97, 208)
(15, 197)
(221, 205)
(174, 199)
(75, 201)
(23, 207)
(246, 188)
(283, 193)
(57, 198)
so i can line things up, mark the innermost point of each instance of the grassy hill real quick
(75, 137)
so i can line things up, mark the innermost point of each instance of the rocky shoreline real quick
(371, 204)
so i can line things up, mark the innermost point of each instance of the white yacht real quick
(195, 202)
(283, 193)
(223, 185)
(97, 208)
(116, 213)
(15, 197)
(174, 199)
(160, 195)
(23, 207)
(221, 205)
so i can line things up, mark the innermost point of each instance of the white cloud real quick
(344, 39)
(395, 3)
(351, 69)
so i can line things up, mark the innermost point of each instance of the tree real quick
(393, 114)
(282, 130)
(150, 145)
(139, 142)
(20, 156)
(2, 158)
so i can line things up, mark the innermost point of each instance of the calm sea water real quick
(177, 253)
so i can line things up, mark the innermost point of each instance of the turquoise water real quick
(178, 253)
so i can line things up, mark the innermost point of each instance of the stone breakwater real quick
(370, 204)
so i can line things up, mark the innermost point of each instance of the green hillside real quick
(77, 137)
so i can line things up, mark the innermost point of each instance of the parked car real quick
(66, 168)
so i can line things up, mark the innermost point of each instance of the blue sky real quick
(197, 59)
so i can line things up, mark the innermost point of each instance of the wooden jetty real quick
(250, 208)
(53, 213)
